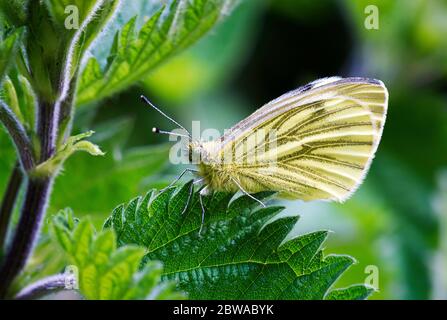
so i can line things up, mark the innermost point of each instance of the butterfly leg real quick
(205, 191)
(189, 170)
(191, 190)
(246, 193)
(198, 181)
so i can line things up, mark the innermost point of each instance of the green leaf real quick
(7, 159)
(8, 46)
(90, 17)
(27, 101)
(58, 34)
(356, 292)
(133, 56)
(10, 97)
(105, 272)
(73, 144)
(62, 10)
(241, 252)
(14, 11)
(19, 95)
(101, 18)
(121, 172)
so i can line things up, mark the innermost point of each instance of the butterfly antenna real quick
(157, 130)
(146, 100)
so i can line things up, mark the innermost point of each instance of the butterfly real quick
(314, 143)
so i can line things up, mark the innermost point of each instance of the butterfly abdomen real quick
(223, 178)
(219, 174)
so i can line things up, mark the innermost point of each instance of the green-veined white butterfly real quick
(326, 135)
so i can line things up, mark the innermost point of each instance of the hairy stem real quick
(33, 210)
(46, 286)
(8, 202)
(19, 137)
(47, 127)
(66, 114)
(36, 200)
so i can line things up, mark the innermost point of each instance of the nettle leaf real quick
(8, 46)
(7, 159)
(90, 16)
(73, 144)
(80, 23)
(99, 21)
(9, 96)
(355, 292)
(20, 97)
(241, 252)
(122, 172)
(13, 11)
(67, 12)
(106, 272)
(166, 33)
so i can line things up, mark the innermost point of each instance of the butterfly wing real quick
(316, 142)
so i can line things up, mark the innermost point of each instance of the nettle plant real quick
(150, 247)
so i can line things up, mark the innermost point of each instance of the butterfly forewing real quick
(316, 142)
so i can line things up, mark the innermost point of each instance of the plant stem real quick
(33, 210)
(46, 286)
(66, 114)
(47, 129)
(9, 200)
(18, 135)
(36, 200)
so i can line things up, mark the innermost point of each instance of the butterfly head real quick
(196, 152)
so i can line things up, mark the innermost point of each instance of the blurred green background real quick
(397, 221)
